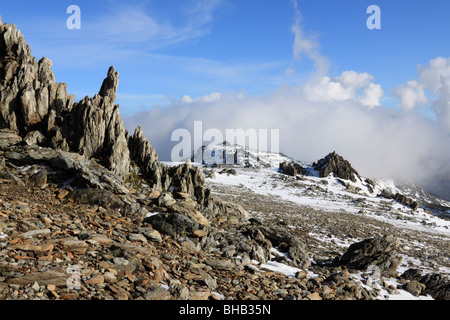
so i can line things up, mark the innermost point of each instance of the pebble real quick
(35, 233)
(121, 261)
(51, 287)
(137, 237)
(199, 233)
(35, 286)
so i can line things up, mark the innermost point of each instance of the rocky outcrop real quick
(377, 252)
(291, 169)
(29, 93)
(146, 158)
(277, 236)
(434, 284)
(85, 144)
(411, 203)
(38, 108)
(38, 111)
(334, 163)
(66, 167)
(93, 127)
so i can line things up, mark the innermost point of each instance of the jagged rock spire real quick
(334, 163)
(32, 104)
(110, 84)
(28, 88)
(31, 101)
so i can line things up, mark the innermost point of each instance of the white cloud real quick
(433, 78)
(126, 23)
(329, 90)
(354, 79)
(435, 74)
(212, 97)
(378, 142)
(372, 95)
(441, 106)
(306, 45)
(290, 70)
(350, 85)
(411, 95)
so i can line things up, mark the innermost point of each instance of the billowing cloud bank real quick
(342, 113)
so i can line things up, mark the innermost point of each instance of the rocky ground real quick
(67, 244)
(328, 233)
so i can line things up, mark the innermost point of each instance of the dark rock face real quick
(434, 284)
(401, 199)
(334, 163)
(99, 197)
(291, 169)
(172, 223)
(379, 252)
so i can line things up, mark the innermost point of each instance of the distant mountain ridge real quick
(234, 154)
(409, 193)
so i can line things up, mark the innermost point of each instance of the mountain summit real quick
(334, 163)
(234, 154)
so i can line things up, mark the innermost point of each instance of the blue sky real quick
(164, 50)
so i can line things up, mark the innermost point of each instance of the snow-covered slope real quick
(337, 197)
(259, 172)
(226, 153)
(331, 194)
(335, 206)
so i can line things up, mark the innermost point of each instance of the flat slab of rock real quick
(9, 138)
(56, 276)
(35, 233)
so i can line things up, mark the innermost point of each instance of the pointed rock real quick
(144, 155)
(98, 130)
(334, 163)
(110, 84)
